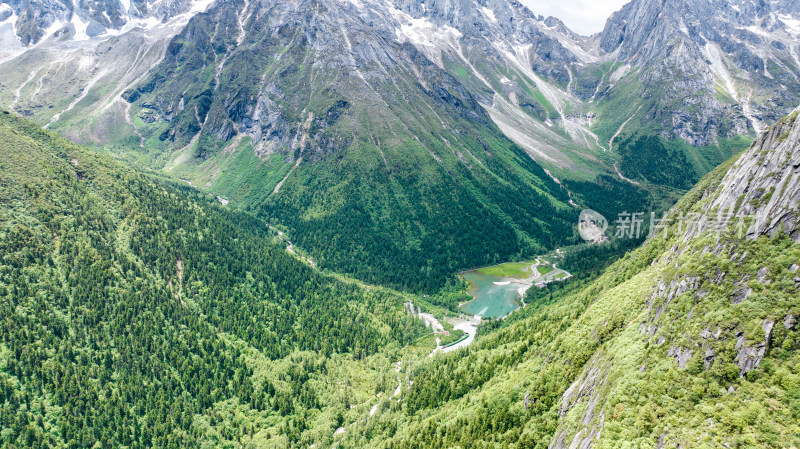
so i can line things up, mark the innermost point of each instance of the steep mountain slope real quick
(691, 81)
(519, 67)
(726, 71)
(379, 133)
(531, 75)
(65, 70)
(142, 315)
(643, 41)
(686, 80)
(712, 357)
(376, 161)
(690, 341)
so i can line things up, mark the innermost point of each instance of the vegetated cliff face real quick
(689, 341)
(708, 354)
(764, 182)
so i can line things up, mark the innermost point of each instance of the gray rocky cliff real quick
(764, 184)
(718, 71)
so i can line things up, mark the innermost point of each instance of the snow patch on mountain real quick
(424, 32)
(756, 30)
(78, 19)
(490, 14)
(428, 37)
(10, 46)
(80, 28)
(199, 6)
(54, 27)
(792, 24)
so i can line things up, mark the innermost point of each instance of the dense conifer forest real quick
(135, 312)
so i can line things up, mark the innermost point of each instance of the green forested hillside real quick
(136, 314)
(689, 341)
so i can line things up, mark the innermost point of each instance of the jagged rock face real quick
(737, 78)
(38, 19)
(764, 184)
(33, 18)
(487, 24)
(641, 28)
(741, 56)
(749, 357)
(697, 79)
(261, 88)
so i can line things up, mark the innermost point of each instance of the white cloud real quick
(585, 17)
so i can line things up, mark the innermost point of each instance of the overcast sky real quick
(585, 17)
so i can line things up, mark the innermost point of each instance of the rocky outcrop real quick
(749, 357)
(589, 393)
(693, 314)
(761, 193)
(681, 355)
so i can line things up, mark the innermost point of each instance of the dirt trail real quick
(619, 131)
(290, 247)
(280, 184)
(622, 177)
(127, 114)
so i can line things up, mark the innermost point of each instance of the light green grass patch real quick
(508, 270)
(545, 269)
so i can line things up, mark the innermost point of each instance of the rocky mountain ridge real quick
(736, 62)
(564, 98)
(34, 20)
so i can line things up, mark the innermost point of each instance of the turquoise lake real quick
(490, 299)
